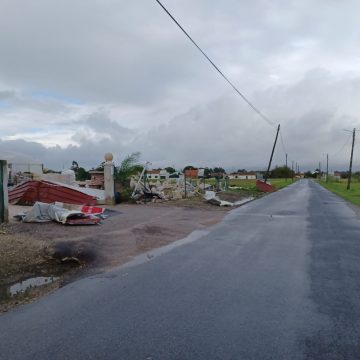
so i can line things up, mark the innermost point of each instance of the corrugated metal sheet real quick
(31, 191)
(264, 187)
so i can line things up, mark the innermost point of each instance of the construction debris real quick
(210, 197)
(43, 212)
(264, 186)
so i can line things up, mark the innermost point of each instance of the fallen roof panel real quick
(32, 191)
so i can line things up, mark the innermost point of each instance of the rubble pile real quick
(174, 189)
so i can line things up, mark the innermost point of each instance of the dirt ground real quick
(52, 249)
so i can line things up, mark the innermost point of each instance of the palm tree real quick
(128, 167)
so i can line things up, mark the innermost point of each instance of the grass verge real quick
(338, 187)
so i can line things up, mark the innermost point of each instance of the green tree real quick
(81, 174)
(309, 174)
(128, 167)
(189, 167)
(74, 165)
(208, 172)
(170, 170)
(219, 170)
(280, 172)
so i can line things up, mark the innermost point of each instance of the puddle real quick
(23, 286)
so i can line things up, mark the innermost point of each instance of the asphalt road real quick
(279, 278)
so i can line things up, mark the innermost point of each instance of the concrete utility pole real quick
(185, 183)
(351, 159)
(109, 183)
(272, 154)
(286, 167)
(327, 167)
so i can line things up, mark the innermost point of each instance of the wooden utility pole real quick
(351, 159)
(292, 170)
(286, 168)
(327, 167)
(272, 154)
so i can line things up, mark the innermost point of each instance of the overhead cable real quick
(282, 143)
(265, 118)
(342, 147)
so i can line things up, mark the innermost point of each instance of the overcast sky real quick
(81, 78)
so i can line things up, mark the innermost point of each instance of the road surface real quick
(279, 278)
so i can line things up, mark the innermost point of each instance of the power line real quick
(342, 147)
(282, 143)
(265, 118)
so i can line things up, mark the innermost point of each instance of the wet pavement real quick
(277, 279)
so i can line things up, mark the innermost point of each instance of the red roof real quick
(191, 173)
(31, 191)
(155, 172)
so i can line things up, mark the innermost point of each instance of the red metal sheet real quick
(31, 191)
(264, 187)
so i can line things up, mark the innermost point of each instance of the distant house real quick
(243, 176)
(164, 175)
(337, 175)
(153, 174)
(192, 173)
(97, 180)
(217, 175)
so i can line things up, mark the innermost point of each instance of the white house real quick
(164, 175)
(153, 174)
(243, 176)
(160, 174)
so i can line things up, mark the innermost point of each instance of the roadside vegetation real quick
(249, 186)
(338, 187)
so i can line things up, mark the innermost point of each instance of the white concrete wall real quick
(242, 177)
(153, 176)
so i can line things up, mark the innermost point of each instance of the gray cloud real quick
(119, 76)
(225, 131)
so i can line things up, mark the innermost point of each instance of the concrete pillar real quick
(109, 184)
(4, 202)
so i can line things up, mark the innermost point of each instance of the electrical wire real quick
(334, 155)
(265, 118)
(282, 142)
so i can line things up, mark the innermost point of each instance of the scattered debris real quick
(212, 198)
(24, 285)
(264, 186)
(42, 212)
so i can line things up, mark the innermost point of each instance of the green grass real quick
(247, 186)
(251, 184)
(280, 183)
(338, 187)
